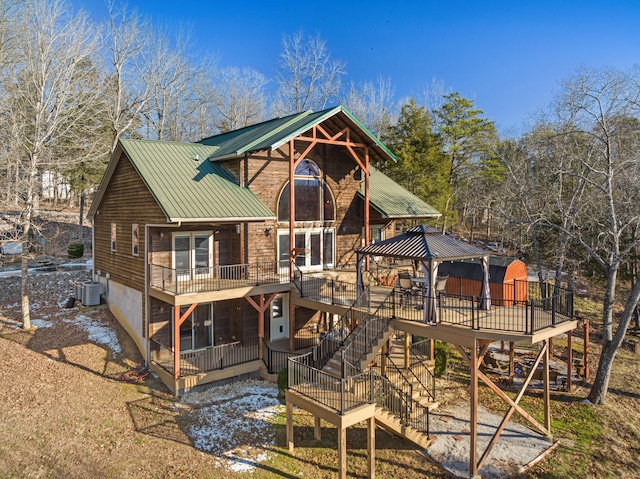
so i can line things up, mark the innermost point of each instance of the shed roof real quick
(272, 134)
(394, 201)
(186, 186)
(423, 243)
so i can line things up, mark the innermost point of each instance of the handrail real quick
(216, 278)
(329, 344)
(339, 394)
(424, 370)
(370, 331)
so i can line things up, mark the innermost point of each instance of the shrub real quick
(75, 250)
(283, 379)
(441, 356)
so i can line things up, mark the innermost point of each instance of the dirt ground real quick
(71, 406)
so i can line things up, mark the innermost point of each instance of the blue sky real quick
(509, 57)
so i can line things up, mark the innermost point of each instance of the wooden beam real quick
(371, 447)
(473, 446)
(547, 395)
(366, 199)
(289, 408)
(342, 452)
(176, 342)
(292, 204)
(585, 351)
(317, 430)
(177, 322)
(569, 361)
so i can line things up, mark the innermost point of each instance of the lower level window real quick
(196, 332)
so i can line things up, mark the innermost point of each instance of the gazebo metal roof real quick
(423, 243)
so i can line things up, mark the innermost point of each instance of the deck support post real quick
(569, 361)
(547, 397)
(585, 353)
(512, 357)
(317, 430)
(289, 427)
(342, 452)
(473, 418)
(371, 447)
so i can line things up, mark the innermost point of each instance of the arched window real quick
(313, 198)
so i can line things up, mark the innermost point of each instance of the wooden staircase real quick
(395, 425)
(368, 353)
(418, 390)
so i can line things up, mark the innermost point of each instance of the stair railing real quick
(336, 338)
(361, 342)
(422, 372)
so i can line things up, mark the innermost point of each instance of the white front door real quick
(279, 317)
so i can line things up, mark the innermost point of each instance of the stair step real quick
(393, 424)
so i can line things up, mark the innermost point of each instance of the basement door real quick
(279, 318)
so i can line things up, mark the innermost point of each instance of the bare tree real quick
(241, 98)
(128, 85)
(599, 111)
(167, 60)
(48, 100)
(373, 104)
(309, 78)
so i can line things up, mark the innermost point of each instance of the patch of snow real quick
(234, 422)
(97, 331)
(41, 323)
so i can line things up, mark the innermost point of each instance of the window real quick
(113, 236)
(192, 254)
(313, 198)
(134, 239)
(196, 332)
(376, 234)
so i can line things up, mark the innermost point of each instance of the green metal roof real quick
(271, 134)
(188, 187)
(394, 201)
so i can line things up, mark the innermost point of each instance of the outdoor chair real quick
(441, 287)
(406, 288)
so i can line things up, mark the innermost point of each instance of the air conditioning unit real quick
(91, 291)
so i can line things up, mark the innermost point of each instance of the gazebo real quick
(428, 247)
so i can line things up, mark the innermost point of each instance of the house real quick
(193, 241)
(227, 257)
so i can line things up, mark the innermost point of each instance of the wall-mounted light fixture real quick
(237, 229)
(268, 231)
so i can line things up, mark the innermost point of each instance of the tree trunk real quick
(598, 392)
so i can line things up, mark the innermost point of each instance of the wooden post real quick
(569, 361)
(512, 355)
(473, 369)
(176, 343)
(317, 430)
(407, 346)
(585, 354)
(289, 408)
(371, 446)
(342, 452)
(292, 215)
(547, 397)
(431, 352)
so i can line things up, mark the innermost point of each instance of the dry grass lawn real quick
(66, 411)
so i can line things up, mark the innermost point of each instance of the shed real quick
(507, 279)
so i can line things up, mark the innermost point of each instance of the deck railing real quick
(341, 395)
(331, 291)
(274, 359)
(209, 359)
(217, 278)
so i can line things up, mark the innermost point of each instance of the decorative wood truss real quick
(319, 135)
